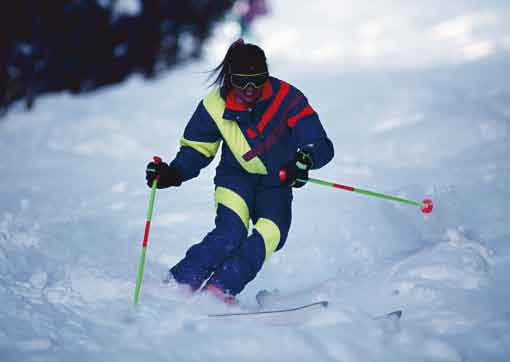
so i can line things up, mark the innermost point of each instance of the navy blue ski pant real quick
(228, 255)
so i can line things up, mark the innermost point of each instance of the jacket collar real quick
(232, 103)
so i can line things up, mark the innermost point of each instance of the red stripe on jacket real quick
(251, 133)
(307, 111)
(273, 108)
(276, 133)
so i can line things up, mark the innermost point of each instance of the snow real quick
(73, 205)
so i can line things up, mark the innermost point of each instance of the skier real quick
(265, 127)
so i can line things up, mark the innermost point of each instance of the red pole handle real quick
(157, 160)
(282, 174)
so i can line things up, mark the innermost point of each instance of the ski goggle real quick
(242, 81)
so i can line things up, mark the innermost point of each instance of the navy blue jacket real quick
(258, 141)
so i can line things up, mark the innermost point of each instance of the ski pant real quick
(228, 256)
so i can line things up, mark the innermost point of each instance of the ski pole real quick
(157, 160)
(426, 205)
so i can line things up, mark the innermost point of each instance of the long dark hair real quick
(240, 57)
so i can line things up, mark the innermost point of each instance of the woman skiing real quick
(266, 129)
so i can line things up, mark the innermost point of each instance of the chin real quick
(249, 99)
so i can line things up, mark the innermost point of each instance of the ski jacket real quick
(259, 140)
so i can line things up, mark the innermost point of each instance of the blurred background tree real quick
(81, 45)
(247, 12)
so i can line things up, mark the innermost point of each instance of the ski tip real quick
(397, 314)
(324, 303)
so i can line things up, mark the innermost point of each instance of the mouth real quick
(248, 95)
(249, 92)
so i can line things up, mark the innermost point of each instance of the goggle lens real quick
(242, 81)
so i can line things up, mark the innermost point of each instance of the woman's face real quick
(248, 95)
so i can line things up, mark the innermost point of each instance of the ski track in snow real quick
(74, 200)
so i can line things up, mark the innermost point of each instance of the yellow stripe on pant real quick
(234, 202)
(269, 231)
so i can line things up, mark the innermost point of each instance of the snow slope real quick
(73, 203)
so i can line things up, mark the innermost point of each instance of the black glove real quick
(168, 176)
(295, 173)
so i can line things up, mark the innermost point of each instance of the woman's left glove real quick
(295, 173)
(168, 175)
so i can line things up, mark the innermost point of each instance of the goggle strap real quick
(248, 75)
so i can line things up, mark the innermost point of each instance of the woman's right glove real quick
(168, 175)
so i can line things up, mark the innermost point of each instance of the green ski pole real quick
(146, 234)
(426, 205)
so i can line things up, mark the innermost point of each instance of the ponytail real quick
(223, 70)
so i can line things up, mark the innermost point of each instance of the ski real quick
(265, 298)
(321, 304)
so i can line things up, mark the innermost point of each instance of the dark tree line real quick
(80, 45)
